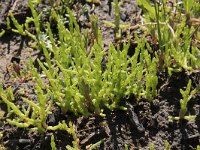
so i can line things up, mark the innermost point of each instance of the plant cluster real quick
(175, 32)
(177, 36)
(77, 81)
(85, 79)
(81, 80)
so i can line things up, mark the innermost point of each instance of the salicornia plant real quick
(186, 97)
(79, 80)
(71, 130)
(24, 28)
(34, 115)
(83, 85)
(174, 32)
(117, 26)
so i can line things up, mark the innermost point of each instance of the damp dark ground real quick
(145, 122)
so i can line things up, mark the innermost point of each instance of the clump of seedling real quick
(79, 81)
(34, 116)
(80, 84)
(83, 86)
(173, 34)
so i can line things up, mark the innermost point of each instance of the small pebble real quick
(123, 16)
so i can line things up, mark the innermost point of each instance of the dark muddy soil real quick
(144, 122)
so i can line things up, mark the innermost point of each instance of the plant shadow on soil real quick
(116, 129)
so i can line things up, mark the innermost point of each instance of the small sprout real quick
(8, 23)
(19, 28)
(198, 147)
(2, 32)
(117, 25)
(35, 2)
(151, 146)
(53, 144)
(94, 1)
(94, 146)
(95, 27)
(167, 145)
(187, 96)
(1, 136)
(126, 147)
